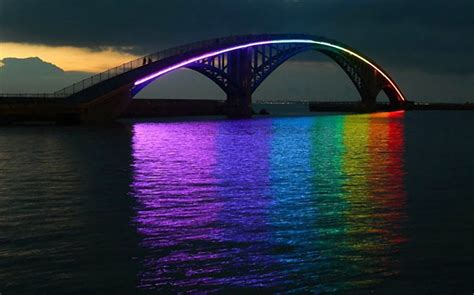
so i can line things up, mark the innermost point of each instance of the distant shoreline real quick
(23, 109)
(414, 106)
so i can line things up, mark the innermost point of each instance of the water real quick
(330, 203)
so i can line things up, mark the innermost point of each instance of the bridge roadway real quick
(237, 64)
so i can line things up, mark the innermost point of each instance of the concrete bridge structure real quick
(237, 64)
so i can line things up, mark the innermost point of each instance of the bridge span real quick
(237, 64)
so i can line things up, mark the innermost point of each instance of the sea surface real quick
(353, 204)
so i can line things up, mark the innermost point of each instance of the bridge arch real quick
(182, 83)
(238, 65)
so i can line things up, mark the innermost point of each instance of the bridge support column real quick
(368, 103)
(239, 95)
(107, 107)
(370, 88)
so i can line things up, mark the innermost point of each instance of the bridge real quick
(237, 64)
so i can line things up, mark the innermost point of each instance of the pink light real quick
(299, 41)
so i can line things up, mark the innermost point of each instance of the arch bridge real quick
(237, 64)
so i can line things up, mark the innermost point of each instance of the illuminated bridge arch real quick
(238, 65)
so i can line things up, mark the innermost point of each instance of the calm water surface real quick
(340, 203)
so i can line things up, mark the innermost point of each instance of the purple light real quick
(299, 41)
(200, 187)
(173, 186)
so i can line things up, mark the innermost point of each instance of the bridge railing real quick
(31, 95)
(126, 67)
(131, 65)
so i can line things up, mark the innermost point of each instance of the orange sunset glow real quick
(68, 58)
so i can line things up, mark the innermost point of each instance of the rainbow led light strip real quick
(301, 41)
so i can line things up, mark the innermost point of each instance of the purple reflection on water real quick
(202, 190)
(174, 186)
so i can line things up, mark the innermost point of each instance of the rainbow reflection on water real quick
(308, 203)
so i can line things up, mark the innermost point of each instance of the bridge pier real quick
(370, 86)
(239, 94)
(367, 106)
(107, 107)
(368, 102)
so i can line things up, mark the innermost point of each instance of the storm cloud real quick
(432, 36)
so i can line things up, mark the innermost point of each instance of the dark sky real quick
(432, 39)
